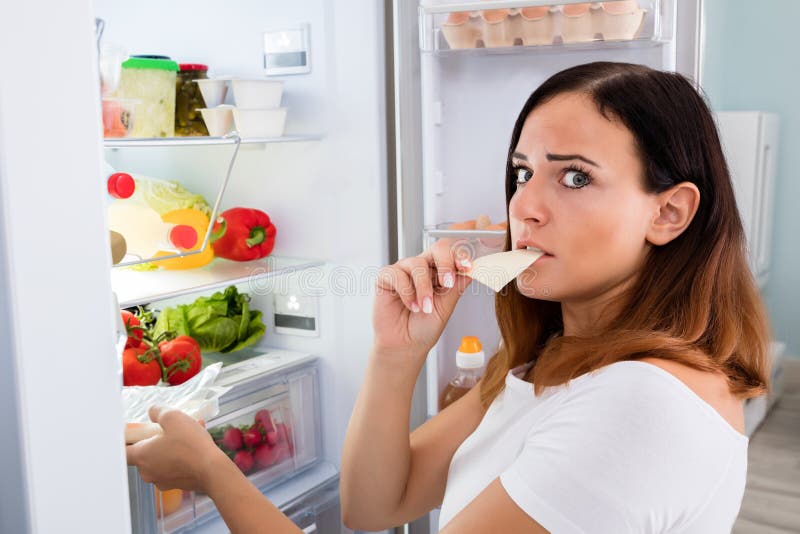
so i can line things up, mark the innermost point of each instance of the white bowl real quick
(259, 122)
(213, 91)
(219, 120)
(257, 94)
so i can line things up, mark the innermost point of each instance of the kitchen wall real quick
(750, 63)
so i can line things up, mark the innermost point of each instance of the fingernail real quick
(465, 263)
(448, 280)
(414, 307)
(427, 305)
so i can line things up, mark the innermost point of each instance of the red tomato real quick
(138, 368)
(134, 328)
(181, 358)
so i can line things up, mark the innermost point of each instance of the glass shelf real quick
(135, 288)
(132, 142)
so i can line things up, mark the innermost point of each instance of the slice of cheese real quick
(497, 270)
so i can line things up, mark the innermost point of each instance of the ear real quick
(675, 209)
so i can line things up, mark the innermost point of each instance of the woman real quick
(614, 404)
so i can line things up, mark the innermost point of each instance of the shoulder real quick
(654, 380)
(647, 406)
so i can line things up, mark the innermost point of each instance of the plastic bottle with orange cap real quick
(470, 361)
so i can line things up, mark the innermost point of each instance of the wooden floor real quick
(771, 502)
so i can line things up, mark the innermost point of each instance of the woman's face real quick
(580, 198)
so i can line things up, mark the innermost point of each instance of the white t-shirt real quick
(628, 448)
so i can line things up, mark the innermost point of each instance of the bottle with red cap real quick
(470, 361)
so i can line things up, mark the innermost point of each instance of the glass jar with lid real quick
(188, 100)
(151, 82)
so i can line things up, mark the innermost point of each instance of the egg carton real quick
(544, 25)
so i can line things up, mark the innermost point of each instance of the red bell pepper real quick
(243, 234)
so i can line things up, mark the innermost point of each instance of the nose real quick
(530, 202)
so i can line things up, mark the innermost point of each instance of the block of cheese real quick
(497, 270)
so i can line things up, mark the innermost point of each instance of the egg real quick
(620, 8)
(495, 15)
(533, 13)
(576, 10)
(459, 17)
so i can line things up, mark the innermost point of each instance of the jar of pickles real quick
(151, 82)
(188, 100)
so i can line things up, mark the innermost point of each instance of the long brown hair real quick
(694, 300)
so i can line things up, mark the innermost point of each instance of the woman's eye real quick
(523, 175)
(576, 179)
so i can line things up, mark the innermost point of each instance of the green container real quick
(152, 83)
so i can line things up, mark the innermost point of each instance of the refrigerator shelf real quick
(545, 26)
(141, 287)
(133, 142)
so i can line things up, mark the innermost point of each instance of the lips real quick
(530, 245)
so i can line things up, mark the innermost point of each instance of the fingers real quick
(395, 279)
(155, 413)
(447, 256)
(421, 275)
(413, 279)
(132, 454)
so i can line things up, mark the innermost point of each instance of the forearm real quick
(377, 452)
(244, 508)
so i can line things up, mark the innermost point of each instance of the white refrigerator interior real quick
(326, 195)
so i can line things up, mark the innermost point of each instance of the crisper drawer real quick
(268, 425)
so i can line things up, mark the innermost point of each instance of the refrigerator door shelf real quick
(513, 25)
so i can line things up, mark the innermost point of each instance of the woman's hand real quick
(415, 298)
(182, 457)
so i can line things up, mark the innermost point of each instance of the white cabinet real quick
(750, 142)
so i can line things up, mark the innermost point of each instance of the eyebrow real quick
(557, 157)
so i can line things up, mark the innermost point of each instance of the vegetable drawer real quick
(268, 425)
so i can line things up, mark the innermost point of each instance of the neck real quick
(588, 317)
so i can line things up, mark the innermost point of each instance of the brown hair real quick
(694, 301)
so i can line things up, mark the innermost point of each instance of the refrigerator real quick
(397, 127)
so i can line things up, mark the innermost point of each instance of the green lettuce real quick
(222, 322)
(164, 196)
